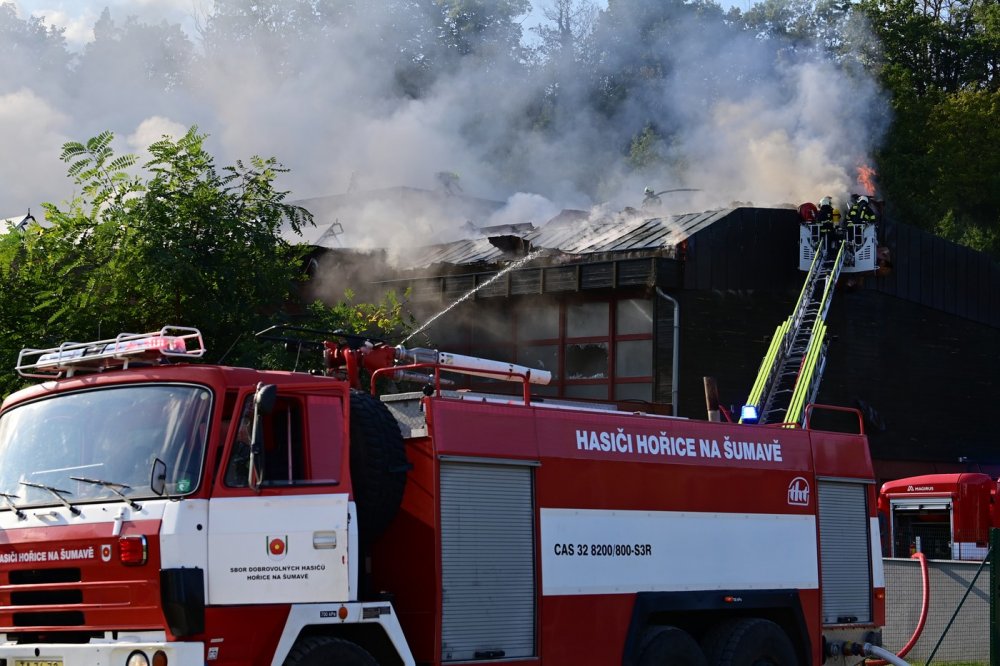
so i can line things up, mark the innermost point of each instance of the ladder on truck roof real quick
(790, 373)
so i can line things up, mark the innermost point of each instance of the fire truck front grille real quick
(42, 576)
(45, 589)
(54, 604)
(49, 619)
(46, 597)
(32, 637)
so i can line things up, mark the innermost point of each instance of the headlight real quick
(137, 658)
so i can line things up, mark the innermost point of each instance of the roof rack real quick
(71, 357)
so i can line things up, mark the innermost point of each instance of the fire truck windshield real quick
(100, 445)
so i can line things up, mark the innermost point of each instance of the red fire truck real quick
(158, 511)
(944, 516)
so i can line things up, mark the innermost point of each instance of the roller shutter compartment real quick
(845, 552)
(487, 561)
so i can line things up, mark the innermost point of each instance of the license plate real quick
(38, 662)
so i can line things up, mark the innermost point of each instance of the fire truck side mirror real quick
(158, 477)
(263, 403)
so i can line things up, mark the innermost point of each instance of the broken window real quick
(587, 360)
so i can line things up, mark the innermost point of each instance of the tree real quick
(31, 53)
(965, 194)
(486, 29)
(189, 244)
(139, 57)
(569, 24)
(940, 61)
(394, 42)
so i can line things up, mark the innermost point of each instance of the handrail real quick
(783, 337)
(811, 407)
(70, 357)
(768, 364)
(804, 381)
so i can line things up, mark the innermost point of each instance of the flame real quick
(866, 179)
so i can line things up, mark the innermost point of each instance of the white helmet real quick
(826, 201)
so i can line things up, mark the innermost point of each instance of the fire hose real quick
(897, 659)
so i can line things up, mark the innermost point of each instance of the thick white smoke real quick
(741, 124)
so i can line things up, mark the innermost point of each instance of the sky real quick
(747, 128)
(78, 16)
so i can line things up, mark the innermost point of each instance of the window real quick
(587, 320)
(79, 441)
(303, 443)
(634, 316)
(587, 360)
(538, 322)
(600, 350)
(633, 358)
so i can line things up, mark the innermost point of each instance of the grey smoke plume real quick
(737, 118)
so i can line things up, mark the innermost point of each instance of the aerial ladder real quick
(790, 373)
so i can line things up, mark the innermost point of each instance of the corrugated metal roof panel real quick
(575, 234)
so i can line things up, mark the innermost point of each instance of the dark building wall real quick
(931, 271)
(751, 248)
(926, 379)
(725, 334)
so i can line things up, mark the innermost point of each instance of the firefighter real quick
(861, 212)
(650, 198)
(449, 182)
(825, 212)
(824, 217)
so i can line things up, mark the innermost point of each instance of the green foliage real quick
(940, 62)
(189, 245)
(31, 53)
(645, 149)
(486, 29)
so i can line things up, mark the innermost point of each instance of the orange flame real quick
(866, 179)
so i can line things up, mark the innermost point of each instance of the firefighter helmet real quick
(826, 201)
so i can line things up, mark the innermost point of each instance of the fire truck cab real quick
(944, 516)
(155, 511)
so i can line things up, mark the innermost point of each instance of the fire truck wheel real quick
(670, 646)
(749, 642)
(378, 464)
(323, 651)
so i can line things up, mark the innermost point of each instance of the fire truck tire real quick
(750, 641)
(378, 464)
(670, 646)
(324, 651)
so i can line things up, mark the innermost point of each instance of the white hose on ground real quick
(876, 651)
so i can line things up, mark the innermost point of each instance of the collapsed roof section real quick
(363, 219)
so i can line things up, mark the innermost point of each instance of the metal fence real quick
(953, 633)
